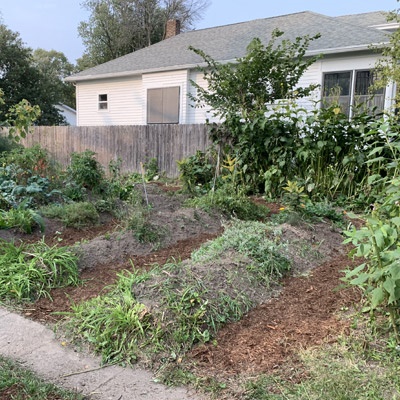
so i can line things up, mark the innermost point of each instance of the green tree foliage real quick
(243, 94)
(267, 73)
(119, 27)
(388, 66)
(54, 67)
(22, 77)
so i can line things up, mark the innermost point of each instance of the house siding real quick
(127, 97)
(124, 98)
(163, 80)
(353, 63)
(198, 115)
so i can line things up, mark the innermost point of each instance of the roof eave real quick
(310, 53)
(129, 73)
(347, 49)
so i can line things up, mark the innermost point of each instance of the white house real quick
(152, 85)
(68, 113)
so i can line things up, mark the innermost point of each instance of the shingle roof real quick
(228, 42)
(366, 19)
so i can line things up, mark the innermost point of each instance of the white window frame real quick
(352, 88)
(102, 102)
(162, 117)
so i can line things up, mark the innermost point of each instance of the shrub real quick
(197, 171)
(86, 171)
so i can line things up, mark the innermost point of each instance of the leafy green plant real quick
(86, 171)
(28, 272)
(21, 218)
(294, 196)
(76, 215)
(151, 169)
(19, 186)
(378, 243)
(197, 172)
(33, 160)
(231, 201)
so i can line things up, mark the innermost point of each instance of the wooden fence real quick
(132, 144)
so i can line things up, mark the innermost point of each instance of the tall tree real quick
(119, 27)
(55, 67)
(21, 78)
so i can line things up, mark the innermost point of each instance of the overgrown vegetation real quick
(313, 162)
(157, 316)
(30, 271)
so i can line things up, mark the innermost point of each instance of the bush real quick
(86, 171)
(197, 172)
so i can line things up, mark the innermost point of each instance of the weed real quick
(231, 202)
(76, 215)
(20, 383)
(28, 272)
(250, 239)
(21, 218)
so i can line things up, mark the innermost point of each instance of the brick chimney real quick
(173, 28)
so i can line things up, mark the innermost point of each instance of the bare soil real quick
(302, 312)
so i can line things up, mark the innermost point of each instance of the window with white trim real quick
(103, 101)
(352, 90)
(163, 105)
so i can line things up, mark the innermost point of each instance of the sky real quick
(53, 24)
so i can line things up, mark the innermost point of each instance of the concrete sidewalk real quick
(36, 347)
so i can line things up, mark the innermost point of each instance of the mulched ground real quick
(304, 315)
(267, 339)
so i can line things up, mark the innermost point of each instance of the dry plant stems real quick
(144, 183)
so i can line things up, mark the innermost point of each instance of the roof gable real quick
(229, 42)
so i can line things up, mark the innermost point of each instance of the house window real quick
(103, 102)
(163, 105)
(352, 91)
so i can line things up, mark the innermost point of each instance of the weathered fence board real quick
(132, 144)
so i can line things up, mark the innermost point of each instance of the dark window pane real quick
(102, 97)
(337, 83)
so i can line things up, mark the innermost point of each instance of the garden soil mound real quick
(301, 312)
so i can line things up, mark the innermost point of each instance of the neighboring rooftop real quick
(228, 42)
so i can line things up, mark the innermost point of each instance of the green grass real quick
(20, 384)
(336, 372)
(76, 215)
(30, 271)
